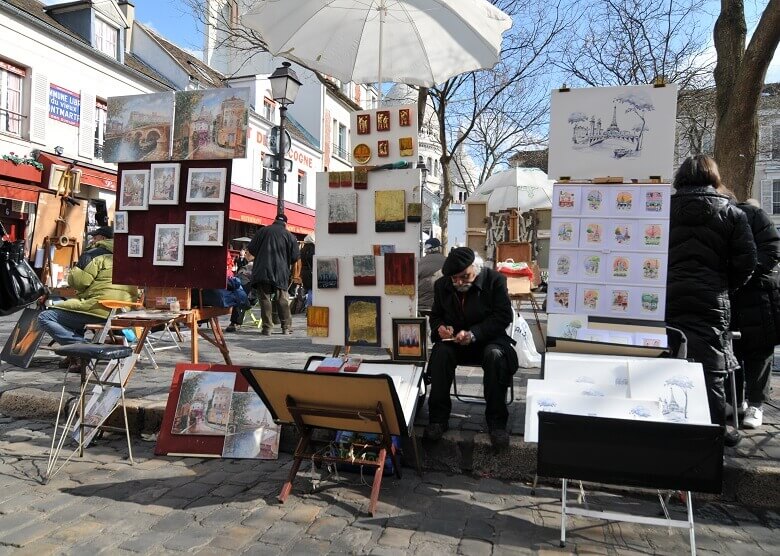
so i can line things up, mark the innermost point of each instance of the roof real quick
(300, 133)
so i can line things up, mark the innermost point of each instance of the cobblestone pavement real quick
(101, 504)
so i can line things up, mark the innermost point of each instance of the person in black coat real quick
(307, 267)
(470, 313)
(755, 309)
(711, 251)
(275, 250)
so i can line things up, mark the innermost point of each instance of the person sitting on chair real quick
(91, 278)
(469, 317)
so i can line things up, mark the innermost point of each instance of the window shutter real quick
(87, 125)
(764, 142)
(766, 196)
(39, 107)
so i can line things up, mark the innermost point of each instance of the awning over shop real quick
(19, 191)
(102, 179)
(258, 208)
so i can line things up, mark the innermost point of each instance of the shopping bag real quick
(510, 268)
(527, 356)
(19, 285)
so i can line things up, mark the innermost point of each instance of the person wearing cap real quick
(470, 314)
(275, 250)
(428, 271)
(91, 277)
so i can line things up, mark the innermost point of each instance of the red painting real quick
(364, 124)
(404, 119)
(383, 148)
(399, 274)
(383, 120)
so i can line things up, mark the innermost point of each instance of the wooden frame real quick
(418, 328)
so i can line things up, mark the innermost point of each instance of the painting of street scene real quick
(164, 187)
(169, 245)
(204, 403)
(204, 227)
(251, 432)
(206, 185)
(138, 128)
(210, 124)
(134, 190)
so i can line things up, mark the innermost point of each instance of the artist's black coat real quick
(485, 310)
(275, 250)
(711, 251)
(755, 307)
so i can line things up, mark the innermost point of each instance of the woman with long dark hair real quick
(711, 251)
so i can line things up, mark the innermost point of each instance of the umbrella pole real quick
(382, 11)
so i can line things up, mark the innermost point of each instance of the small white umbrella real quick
(520, 188)
(419, 42)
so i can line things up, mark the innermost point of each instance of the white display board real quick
(613, 131)
(345, 246)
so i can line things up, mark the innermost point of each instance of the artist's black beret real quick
(457, 261)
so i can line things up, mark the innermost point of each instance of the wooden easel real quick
(66, 253)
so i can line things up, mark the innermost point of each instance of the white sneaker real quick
(742, 409)
(754, 417)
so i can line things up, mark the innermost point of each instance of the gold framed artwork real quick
(406, 145)
(390, 210)
(361, 153)
(317, 321)
(363, 124)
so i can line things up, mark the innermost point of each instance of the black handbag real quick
(19, 285)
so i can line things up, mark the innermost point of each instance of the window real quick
(776, 142)
(268, 109)
(301, 188)
(105, 37)
(11, 83)
(775, 196)
(266, 185)
(101, 115)
(339, 140)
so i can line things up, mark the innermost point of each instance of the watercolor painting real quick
(327, 273)
(204, 227)
(364, 270)
(138, 128)
(342, 211)
(204, 403)
(563, 264)
(120, 222)
(206, 185)
(409, 339)
(362, 322)
(251, 432)
(595, 202)
(678, 386)
(621, 267)
(169, 245)
(211, 123)
(390, 210)
(134, 190)
(565, 233)
(619, 301)
(135, 246)
(164, 184)
(590, 298)
(560, 298)
(400, 274)
(317, 321)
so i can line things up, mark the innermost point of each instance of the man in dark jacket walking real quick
(471, 311)
(275, 250)
(755, 309)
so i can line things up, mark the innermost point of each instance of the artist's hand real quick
(463, 338)
(445, 332)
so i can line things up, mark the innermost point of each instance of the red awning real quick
(260, 209)
(19, 191)
(102, 179)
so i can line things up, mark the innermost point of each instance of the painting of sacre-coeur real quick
(613, 131)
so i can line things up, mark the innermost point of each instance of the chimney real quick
(128, 9)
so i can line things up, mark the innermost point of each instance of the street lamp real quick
(284, 89)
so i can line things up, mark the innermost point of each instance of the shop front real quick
(19, 189)
(250, 210)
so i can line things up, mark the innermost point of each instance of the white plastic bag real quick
(527, 356)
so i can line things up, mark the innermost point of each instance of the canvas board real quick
(24, 340)
(251, 432)
(203, 406)
(678, 385)
(565, 233)
(211, 123)
(139, 128)
(613, 131)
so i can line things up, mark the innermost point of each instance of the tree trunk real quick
(422, 101)
(739, 78)
(446, 199)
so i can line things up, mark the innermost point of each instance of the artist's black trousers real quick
(715, 382)
(445, 356)
(754, 377)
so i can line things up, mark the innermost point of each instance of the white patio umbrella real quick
(520, 188)
(418, 42)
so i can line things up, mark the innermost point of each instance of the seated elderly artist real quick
(471, 311)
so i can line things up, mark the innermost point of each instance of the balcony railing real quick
(267, 186)
(301, 199)
(98, 149)
(340, 152)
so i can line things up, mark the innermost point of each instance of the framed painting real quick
(342, 212)
(383, 148)
(383, 120)
(169, 245)
(363, 124)
(399, 274)
(364, 270)
(362, 321)
(317, 321)
(327, 273)
(361, 177)
(390, 210)
(404, 117)
(120, 222)
(138, 128)
(24, 340)
(204, 403)
(204, 227)
(206, 185)
(134, 190)
(164, 184)
(406, 146)
(251, 432)
(380, 250)
(135, 246)
(410, 340)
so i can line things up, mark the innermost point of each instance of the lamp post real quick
(284, 89)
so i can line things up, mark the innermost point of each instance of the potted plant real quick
(22, 168)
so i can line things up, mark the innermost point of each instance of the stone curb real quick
(751, 482)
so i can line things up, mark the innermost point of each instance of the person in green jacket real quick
(92, 279)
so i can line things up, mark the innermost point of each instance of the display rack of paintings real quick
(386, 133)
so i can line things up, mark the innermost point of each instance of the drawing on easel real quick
(204, 403)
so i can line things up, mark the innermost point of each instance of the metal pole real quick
(281, 170)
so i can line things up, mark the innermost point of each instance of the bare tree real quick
(739, 78)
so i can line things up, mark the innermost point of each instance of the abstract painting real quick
(414, 212)
(138, 128)
(317, 321)
(334, 179)
(169, 245)
(380, 250)
(327, 273)
(362, 318)
(211, 123)
(204, 403)
(390, 210)
(409, 339)
(399, 274)
(613, 131)
(251, 432)
(164, 184)
(406, 146)
(364, 270)
(135, 246)
(677, 384)
(134, 190)
(24, 340)
(361, 177)
(342, 212)
(206, 185)
(204, 227)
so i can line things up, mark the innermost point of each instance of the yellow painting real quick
(362, 321)
(390, 210)
(317, 321)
